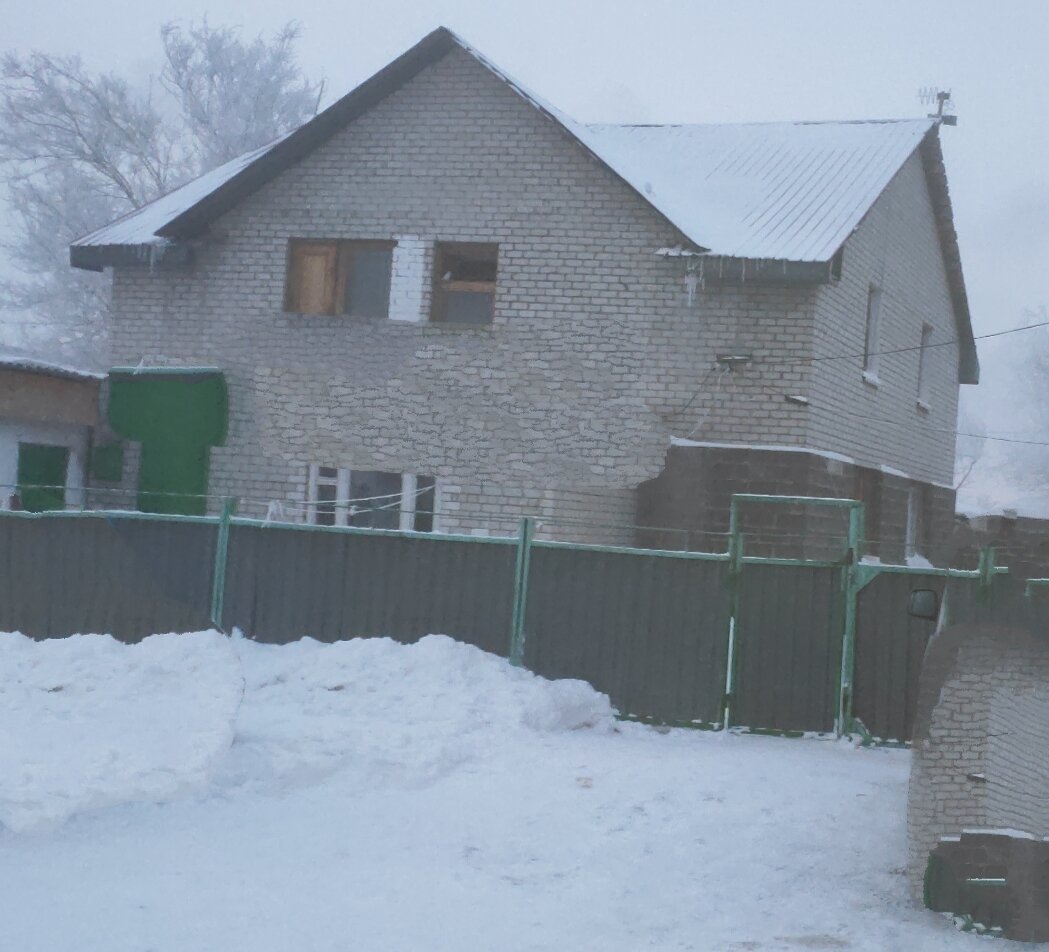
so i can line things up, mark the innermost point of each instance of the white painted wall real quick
(13, 432)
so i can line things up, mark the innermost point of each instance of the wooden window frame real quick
(343, 251)
(439, 287)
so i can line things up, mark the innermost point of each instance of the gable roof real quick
(790, 191)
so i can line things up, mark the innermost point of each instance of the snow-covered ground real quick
(199, 793)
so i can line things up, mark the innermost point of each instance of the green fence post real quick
(517, 623)
(735, 581)
(218, 578)
(852, 583)
(986, 568)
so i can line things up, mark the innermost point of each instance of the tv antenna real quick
(928, 95)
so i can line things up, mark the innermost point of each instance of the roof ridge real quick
(759, 122)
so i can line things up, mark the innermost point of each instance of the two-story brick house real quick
(444, 294)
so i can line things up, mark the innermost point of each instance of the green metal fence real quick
(711, 639)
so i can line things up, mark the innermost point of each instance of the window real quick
(870, 348)
(914, 522)
(339, 277)
(464, 283)
(923, 366)
(372, 499)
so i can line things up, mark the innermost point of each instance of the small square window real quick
(464, 283)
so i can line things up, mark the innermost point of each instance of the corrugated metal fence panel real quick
(284, 583)
(890, 648)
(788, 648)
(649, 631)
(125, 577)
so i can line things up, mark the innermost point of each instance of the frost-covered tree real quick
(78, 149)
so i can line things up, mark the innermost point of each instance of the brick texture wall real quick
(981, 742)
(687, 505)
(896, 249)
(596, 357)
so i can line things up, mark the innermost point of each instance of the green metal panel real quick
(647, 630)
(178, 416)
(890, 648)
(125, 577)
(788, 648)
(285, 582)
(42, 476)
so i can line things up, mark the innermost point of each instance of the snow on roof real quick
(785, 190)
(17, 360)
(788, 191)
(139, 227)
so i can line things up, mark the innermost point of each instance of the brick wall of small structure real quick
(981, 742)
(695, 489)
(1020, 542)
(596, 357)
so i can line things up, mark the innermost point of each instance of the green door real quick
(42, 476)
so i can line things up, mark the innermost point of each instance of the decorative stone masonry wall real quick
(981, 739)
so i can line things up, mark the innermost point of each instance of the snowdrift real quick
(90, 723)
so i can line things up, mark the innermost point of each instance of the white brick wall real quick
(566, 402)
(896, 249)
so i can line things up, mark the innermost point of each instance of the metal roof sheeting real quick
(140, 227)
(790, 191)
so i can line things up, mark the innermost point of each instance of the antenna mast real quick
(928, 95)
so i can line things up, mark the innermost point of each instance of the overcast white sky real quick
(699, 61)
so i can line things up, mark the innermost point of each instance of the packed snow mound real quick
(390, 713)
(89, 722)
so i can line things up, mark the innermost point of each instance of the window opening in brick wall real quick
(339, 277)
(923, 365)
(913, 536)
(464, 283)
(870, 348)
(370, 498)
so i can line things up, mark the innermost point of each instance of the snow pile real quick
(89, 722)
(391, 798)
(387, 712)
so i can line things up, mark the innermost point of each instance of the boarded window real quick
(312, 277)
(344, 277)
(464, 283)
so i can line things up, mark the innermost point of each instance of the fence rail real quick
(710, 639)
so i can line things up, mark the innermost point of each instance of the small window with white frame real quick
(870, 343)
(923, 367)
(370, 499)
